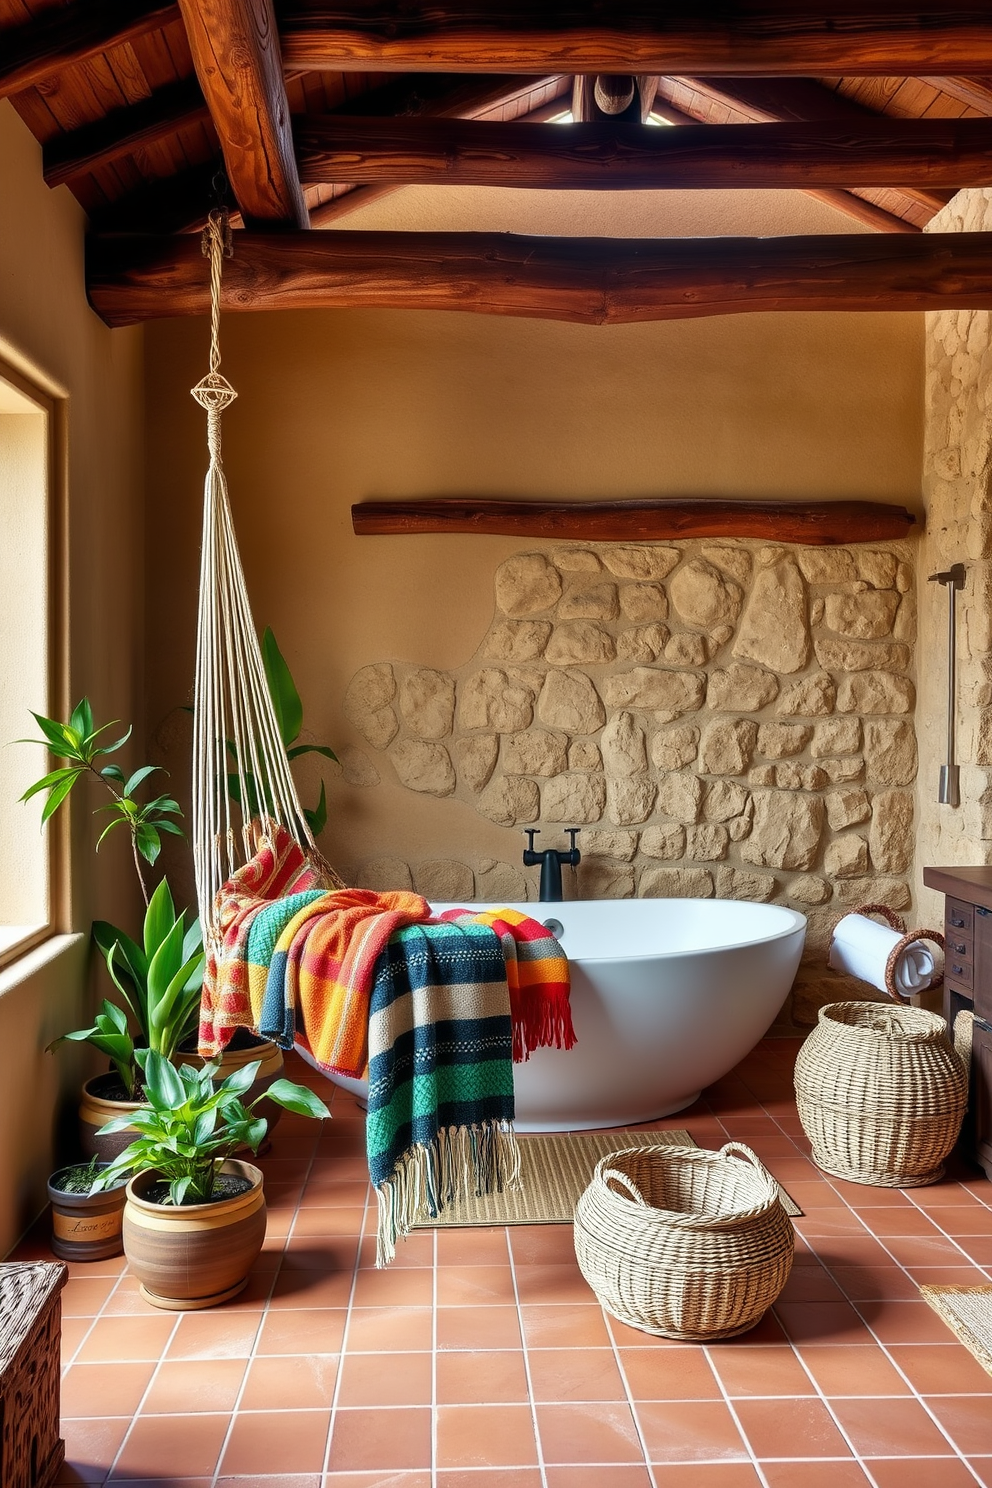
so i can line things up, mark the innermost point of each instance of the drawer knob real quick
(957, 970)
(960, 950)
(958, 924)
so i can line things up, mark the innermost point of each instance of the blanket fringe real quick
(541, 1024)
(431, 1174)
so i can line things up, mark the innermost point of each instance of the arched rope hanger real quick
(237, 747)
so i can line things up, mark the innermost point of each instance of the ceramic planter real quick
(94, 1111)
(85, 1227)
(192, 1256)
(243, 1049)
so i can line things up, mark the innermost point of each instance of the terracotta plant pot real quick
(243, 1049)
(94, 1111)
(192, 1256)
(85, 1227)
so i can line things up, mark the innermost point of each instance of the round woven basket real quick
(683, 1242)
(881, 1093)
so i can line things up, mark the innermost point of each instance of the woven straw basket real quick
(881, 1093)
(682, 1242)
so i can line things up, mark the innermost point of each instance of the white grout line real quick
(525, 1351)
(325, 1467)
(434, 1401)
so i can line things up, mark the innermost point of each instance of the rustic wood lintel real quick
(815, 524)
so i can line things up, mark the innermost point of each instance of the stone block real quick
(791, 775)
(763, 775)
(593, 602)
(675, 883)
(703, 596)
(522, 640)
(423, 766)
(877, 569)
(357, 769)
(808, 890)
(904, 627)
(827, 565)
(642, 642)
(675, 747)
(890, 836)
(491, 699)
(741, 689)
(893, 892)
(475, 759)
(576, 560)
(846, 808)
(501, 883)
(726, 746)
(444, 880)
(811, 698)
(724, 799)
(663, 842)
(510, 800)
(774, 629)
(740, 826)
(640, 562)
(846, 856)
(839, 770)
(385, 875)
(890, 751)
(875, 692)
(573, 798)
(861, 656)
(527, 584)
(643, 603)
(427, 703)
(680, 796)
(599, 878)
(570, 702)
(583, 754)
(367, 704)
(738, 883)
(862, 617)
(580, 643)
(623, 747)
(604, 844)
(707, 842)
(786, 830)
(534, 752)
(668, 694)
(779, 740)
(836, 736)
(687, 649)
(630, 801)
(733, 560)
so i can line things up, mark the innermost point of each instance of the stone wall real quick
(720, 719)
(958, 493)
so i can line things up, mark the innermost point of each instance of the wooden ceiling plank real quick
(235, 47)
(61, 38)
(976, 92)
(124, 131)
(584, 280)
(833, 37)
(948, 153)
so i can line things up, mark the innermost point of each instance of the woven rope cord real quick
(235, 732)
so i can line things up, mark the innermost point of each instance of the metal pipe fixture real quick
(949, 788)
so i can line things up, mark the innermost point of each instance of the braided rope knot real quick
(214, 392)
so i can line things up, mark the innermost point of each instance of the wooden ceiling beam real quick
(62, 36)
(975, 92)
(235, 47)
(606, 156)
(585, 280)
(788, 37)
(124, 131)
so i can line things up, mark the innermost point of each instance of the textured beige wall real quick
(47, 329)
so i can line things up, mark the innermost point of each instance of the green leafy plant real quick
(191, 1126)
(160, 982)
(82, 747)
(288, 708)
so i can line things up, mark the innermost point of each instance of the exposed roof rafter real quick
(63, 36)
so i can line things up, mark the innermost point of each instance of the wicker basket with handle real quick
(683, 1242)
(881, 1093)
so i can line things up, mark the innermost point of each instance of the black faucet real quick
(550, 860)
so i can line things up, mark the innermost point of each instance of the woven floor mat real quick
(555, 1169)
(967, 1311)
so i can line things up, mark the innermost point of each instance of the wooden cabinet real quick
(968, 987)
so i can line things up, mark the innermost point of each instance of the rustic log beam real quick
(829, 38)
(123, 131)
(814, 523)
(605, 156)
(585, 280)
(235, 47)
(63, 36)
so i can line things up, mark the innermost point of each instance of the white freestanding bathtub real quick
(667, 996)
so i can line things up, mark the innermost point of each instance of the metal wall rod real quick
(949, 789)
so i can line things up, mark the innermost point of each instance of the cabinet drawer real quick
(959, 944)
(959, 916)
(959, 971)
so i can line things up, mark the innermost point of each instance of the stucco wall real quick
(48, 331)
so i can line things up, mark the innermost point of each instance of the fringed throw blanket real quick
(537, 975)
(440, 1076)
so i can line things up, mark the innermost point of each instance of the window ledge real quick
(35, 959)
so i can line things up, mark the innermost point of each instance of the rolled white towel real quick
(861, 948)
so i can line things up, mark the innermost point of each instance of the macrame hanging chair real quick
(237, 747)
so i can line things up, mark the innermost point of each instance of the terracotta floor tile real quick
(493, 1477)
(542, 1245)
(811, 1284)
(903, 1322)
(694, 1431)
(667, 1374)
(319, 1222)
(119, 1339)
(374, 1330)
(283, 1441)
(866, 1196)
(475, 1247)
(814, 1196)
(828, 1474)
(309, 1287)
(933, 1472)
(947, 1194)
(385, 1379)
(790, 1428)
(542, 1285)
(977, 1248)
(495, 1376)
(74, 1330)
(566, 1327)
(213, 1335)
(375, 1440)
(187, 1445)
(277, 1480)
(104, 1389)
(760, 1371)
(328, 1255)
(485, 1436)
(195, 1385)
(672, 1475)
(838, 1251)
(290, 1331)
(475, 1328)
(589, 1433)
(126, 1299)
(413, 1250)
(922, 1250)
(891, 1428)
(942, 1369)
(559, 1375)
(290, 1383)
(947, 1276)
(385, 1479)
(90, 1447)
(597, 1477)
(852, 1370)
(85, 1296)
(767, 1329)
(964, 1219)
(898, 1219)
(967, 1419)
(475, 1286)
(823, 1322)
(871, 1283)
(982, 1467)
(410, 1288)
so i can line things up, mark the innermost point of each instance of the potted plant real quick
(86, 1220)
(194, 1220)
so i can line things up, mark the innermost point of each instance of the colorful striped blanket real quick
(440, 1075)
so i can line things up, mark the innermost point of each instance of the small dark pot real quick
(86, 1227)
(95, 1111)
